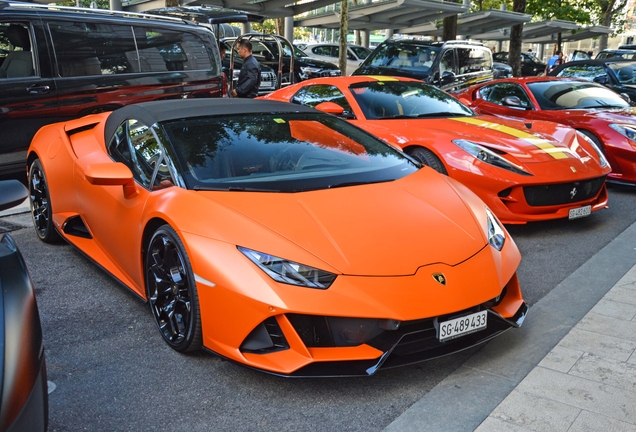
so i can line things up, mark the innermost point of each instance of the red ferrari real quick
(524, 171)
(592, 109)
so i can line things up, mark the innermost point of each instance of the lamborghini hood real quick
(377, 229)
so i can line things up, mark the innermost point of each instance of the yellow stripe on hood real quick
(546, 146)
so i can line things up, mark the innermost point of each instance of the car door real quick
(491, 100)
(28, 96)
(113, 215)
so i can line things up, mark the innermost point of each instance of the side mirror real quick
(512, 102)
(330, 108)
(627, 97)
(602, 79)
(448, 77)
(112, 174)
(12, 193)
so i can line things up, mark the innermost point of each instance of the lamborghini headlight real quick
(488, 156)
(289, 272)
(495, 233)
(628, 131)
(598, 151)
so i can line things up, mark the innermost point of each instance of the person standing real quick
(249, 79)
(554, 61)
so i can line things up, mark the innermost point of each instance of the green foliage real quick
(569, 10)
(101, 4)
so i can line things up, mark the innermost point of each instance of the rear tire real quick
(172, 292)
(427, 157)
(40, 204)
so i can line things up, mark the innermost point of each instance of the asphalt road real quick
(112, 372)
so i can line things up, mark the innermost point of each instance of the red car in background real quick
(599, 113)
(524, 172)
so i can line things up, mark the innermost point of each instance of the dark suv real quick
(65, 63)
(448, 65)
(530, 65)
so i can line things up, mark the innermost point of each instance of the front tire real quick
(171, 291)
(40, 204)
(427, 157)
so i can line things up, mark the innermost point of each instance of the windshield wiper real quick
(231, 189)
(443, 114)
(356, 183)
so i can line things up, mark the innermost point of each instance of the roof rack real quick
(4, 4)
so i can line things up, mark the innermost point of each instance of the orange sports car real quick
(525, 172)
(277, 236)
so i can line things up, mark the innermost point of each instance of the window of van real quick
(87, 48)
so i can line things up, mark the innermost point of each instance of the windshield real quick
(405, 99)
(284, 152)
(557, 95)
(360, 52)
(625, 72)
(403, 55)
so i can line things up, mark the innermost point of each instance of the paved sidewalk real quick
(588, 381)
(570, 367)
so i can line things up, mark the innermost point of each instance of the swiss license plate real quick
(580, 212)
(266, 84)
(461, 326)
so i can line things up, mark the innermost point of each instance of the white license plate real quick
(266, 84)
(580, 212)
(460, 326)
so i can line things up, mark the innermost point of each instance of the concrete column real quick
(388, 34)
(245, 27)
(364, 38)
(289, 29)
(115, 5)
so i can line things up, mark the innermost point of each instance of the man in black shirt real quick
(249, 79)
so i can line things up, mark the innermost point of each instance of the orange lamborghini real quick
(525, 172)
(277, 236)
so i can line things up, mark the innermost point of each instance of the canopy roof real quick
(471, 24)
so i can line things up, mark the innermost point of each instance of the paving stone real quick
(615, 309)
(605, 325)
(598, 344)
(606, 371)
(535, 412)
(590, 422)
(492, 424)
(622, 295)
(561, 358)
(581, 393)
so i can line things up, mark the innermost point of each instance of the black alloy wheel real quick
(427, 157)
(172, 292)
(40, 204)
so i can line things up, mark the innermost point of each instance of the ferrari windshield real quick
(284, 152)
(558, 95)
(405, 99)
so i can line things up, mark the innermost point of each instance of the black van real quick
(451, 65)
(62, 63)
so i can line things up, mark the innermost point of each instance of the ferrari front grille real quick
(562, 193)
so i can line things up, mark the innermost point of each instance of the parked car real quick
(530, 65)
(287, 272)
(618, 75)
(449, 65)
(23, 385)
(331, 52)
(597, 112)
(501, 70)
(617, 54)
(522, 173)
(66, 63)
(266, 50)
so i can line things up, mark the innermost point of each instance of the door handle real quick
(38, 89)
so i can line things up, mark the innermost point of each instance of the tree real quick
(568, 10)
(344, 17)
(609, 12)
(516, 33)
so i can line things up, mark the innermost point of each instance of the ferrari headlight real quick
(496, 235)
(628, 131)
(289, 272)
(598, 151)
(488, 156)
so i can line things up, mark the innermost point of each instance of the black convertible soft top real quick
(158, 111)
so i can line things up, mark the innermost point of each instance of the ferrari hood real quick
(376, 229)
(528, 142)
(625, 115)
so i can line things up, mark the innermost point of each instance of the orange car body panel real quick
(548, 150)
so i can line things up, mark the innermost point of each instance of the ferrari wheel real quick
(40, 204)
(427, 157)
(171, 291)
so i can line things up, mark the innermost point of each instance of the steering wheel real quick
(285, 160)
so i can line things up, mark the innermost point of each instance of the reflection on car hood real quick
(613, 114)
(403, 72)
(313, 62)
(377, 229)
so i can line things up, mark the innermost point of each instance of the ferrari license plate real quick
(580, 212)
(460, 326)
